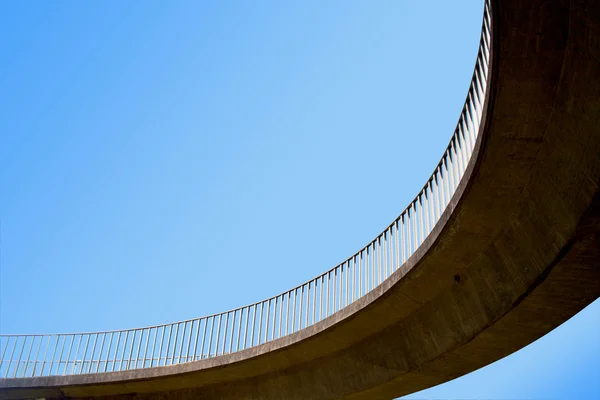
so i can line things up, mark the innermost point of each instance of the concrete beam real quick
(515, 254)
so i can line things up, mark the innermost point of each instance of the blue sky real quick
(165, 160)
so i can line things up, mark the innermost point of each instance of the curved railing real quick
(270, 319)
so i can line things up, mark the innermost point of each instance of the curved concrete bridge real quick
(501, 246)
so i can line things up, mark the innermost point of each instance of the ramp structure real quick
(500, 246)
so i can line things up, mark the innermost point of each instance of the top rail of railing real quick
(283, 314)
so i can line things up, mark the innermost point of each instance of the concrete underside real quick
(516, 253)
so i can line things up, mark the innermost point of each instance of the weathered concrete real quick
(515, 254)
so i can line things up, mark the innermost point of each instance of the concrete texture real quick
(516, 253)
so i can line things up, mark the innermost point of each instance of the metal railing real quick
(286, 313)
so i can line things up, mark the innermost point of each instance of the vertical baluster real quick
(180, 331)
(294, 306)
(378, 255)
(36, 360)
(14, 347)
(152, 348)
(415, 226)
(235, 312)
(340, 283)
(160, 346)
(189, 354)
(115, 356)
(420, 221)
(31, 344)
(407, 234)
(439, 194)
(252, 325)
(369, 277)
(469, 144)
(340, 287)
(397, 244)
(455, 165)
(451, 179)
(123, 352)
(401, 239)
(112, 334)
(373, 264)
(168, 348)
(219, 334)
(409, 231)
(4, 357)
(390, 251)
(386, 253)
(347, 280)
(240, 330)
(20, 355)
(53, 354)
(100, 354)
(44, 359)
(473, 126)
(287, 314)
(183, 336)
(471, 119)
(334, 295)
(321, 301)
(426, 213)
(421, 217)
(262, 306)
(336, 289)
(416, 222)
(275, 302)
(484, 41)
(314, 293)
(342, 290)
(463, 152)
(212, 327)
(307, 308)
(225, 333)
(448, 179)
(301, 307)
(465, 146)
(91, 360)
(361, 274)
(353, 278)
(327, 299)
(367, 271)
(239, 336)
(188, 349)
(88, 338)
(267, 320)
(175, 340)
(429, 207)
(432, 205)
(383, 256)
(281, 315)
(199, 322)
(444, 183)
(459, 161)
(477, 101)
(145, 347)
(246, 328)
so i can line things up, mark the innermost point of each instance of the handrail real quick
(280, 315)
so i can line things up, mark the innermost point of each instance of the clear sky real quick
(165, 160)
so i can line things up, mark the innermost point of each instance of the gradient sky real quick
(165, 160)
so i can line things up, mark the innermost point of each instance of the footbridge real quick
(500, 246)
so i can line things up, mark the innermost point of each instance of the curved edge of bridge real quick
(515, 254)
